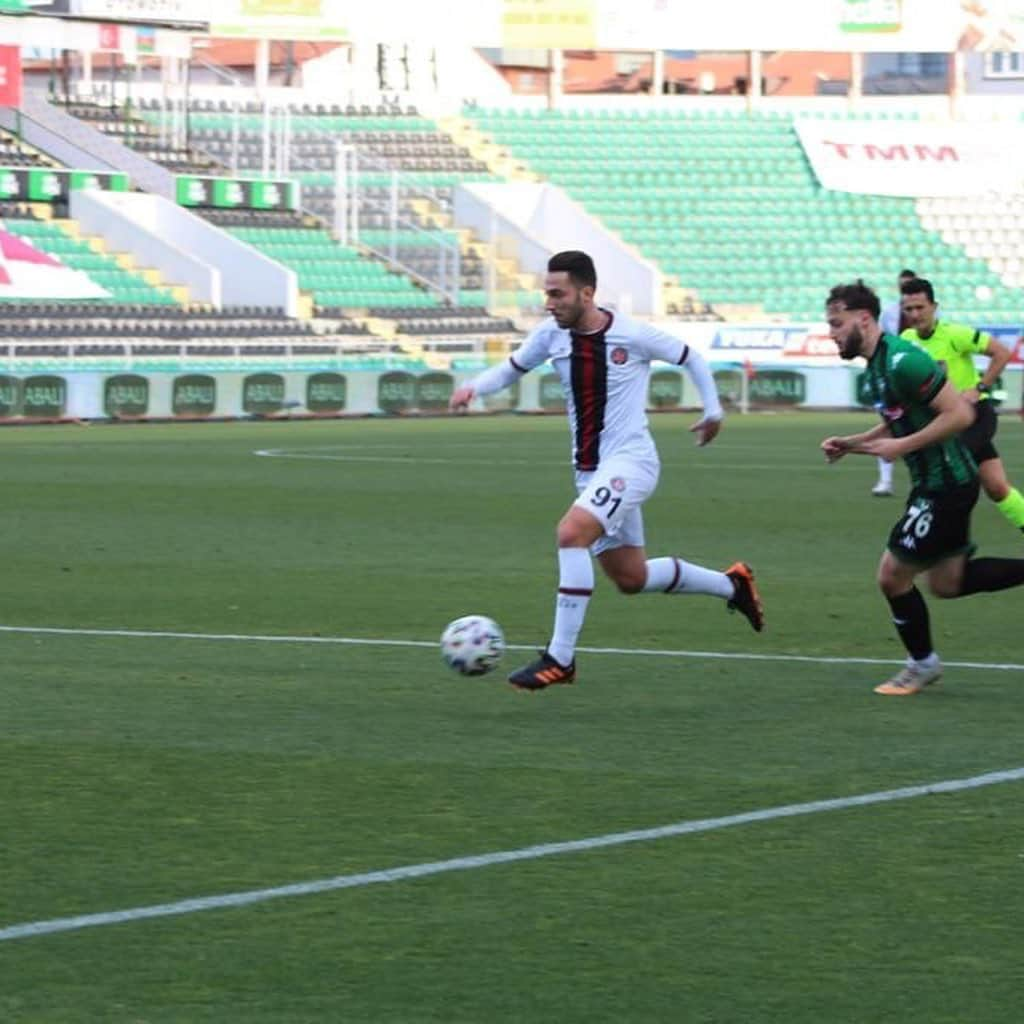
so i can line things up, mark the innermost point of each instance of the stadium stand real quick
(14, 152)
(337, 276)
(985, 227)
(52, 333)
(394, 146)
(397, 151)
(144, 138)
(723, 201)
(727, 203)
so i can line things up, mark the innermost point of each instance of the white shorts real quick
(613, 494)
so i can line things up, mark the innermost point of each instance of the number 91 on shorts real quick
(614, 493)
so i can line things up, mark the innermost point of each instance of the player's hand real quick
(973, 395)
(461, 397)
(835, 448)
(706, 430)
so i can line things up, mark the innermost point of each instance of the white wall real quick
(119, 219)
(532, 221)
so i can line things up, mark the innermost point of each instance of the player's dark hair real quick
(578, 265)
(855, 296)
(905, 274)
(917, 285)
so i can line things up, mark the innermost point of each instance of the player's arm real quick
(836, 447)
(954, 415)
(494, 378)
(708, 426)
(667, 347)
(998, 358)
(531, 353)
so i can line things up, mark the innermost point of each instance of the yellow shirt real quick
(953, 345)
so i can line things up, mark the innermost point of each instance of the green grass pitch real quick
(142, 770)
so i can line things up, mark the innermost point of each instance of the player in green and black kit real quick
(923, 415)
(954, 346)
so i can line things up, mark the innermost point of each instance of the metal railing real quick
(443, 276)
(282, 154)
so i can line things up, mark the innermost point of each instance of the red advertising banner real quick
(10, 76)
(110, 37)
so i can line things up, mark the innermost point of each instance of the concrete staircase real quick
(126, 261)
(482, 147)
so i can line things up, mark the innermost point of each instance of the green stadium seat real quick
(675, 183)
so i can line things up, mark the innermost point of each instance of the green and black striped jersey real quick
(902, 380)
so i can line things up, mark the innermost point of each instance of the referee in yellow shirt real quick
(955, 346)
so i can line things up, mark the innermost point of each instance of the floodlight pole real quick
(346, 194)
(341, 194)
(236, 116)
(286, 148)
(393, 218)
(266, 137)
(492, 239)
(354, 190)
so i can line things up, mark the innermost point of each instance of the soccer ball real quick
(472, 645)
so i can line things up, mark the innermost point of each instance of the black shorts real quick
(935, 526)
(978, 436)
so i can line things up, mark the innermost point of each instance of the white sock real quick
(674, 576)
(575, 585)
(885, 473)
(927, 663)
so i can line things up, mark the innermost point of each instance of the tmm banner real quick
(914, 158)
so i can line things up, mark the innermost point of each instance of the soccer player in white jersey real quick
(604, 361)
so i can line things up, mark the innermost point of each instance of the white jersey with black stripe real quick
(604, 378)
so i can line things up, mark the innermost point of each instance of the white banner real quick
(867, 26)
(915, 158)
(197, 11)
(284, 19)
(28, 273)
(841, 26)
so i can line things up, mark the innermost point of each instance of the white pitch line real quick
(240, 899)
(355, 641)
(270, 453)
